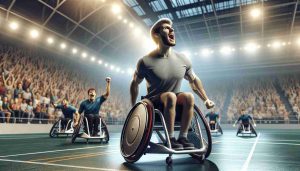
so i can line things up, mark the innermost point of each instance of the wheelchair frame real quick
(53, 134)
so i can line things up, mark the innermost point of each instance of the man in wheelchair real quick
(91, 108)
(164, 69)
(213, 119)
(68, 111)
(244, 121)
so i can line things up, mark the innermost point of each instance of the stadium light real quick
(122, 71)
(206, 52)
(84, 54)
(34, 33)
(74, 50)
(276, 45)
(251, 47)
(63, 45)
(255, 12)
(100, 62)
(50, 40)
(226, 50)
(120, 17)
(125, 21)
(106, 64)
(13, 25)
(137, 31)
(93, 58)
(112, 67)
(116, 9)
(118, 69)
(131, 25)
(298, 41)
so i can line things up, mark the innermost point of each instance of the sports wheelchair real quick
(57, 129)
(143, 119)
(215, 128)
(81, 132)
(246, 130)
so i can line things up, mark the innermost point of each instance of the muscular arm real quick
(134, 88)
(197, 87)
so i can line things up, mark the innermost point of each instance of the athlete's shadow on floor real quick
(178, 164)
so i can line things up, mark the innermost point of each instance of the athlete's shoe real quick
(185, 143)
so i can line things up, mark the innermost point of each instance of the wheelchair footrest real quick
(159, 148)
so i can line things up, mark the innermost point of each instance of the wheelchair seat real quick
(81, 132)
(143, 119)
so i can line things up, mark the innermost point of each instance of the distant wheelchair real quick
(80, 132)
(57, 129)
(246, 130)
(215, 128)
(143, 119)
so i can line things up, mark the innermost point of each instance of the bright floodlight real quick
(93, 58)
(100, 62)
(74, 50)
(226, 50)
(50, 40)
(137, 31)
(276, 44)
(106, 64)
(255, 12)
(112, 67)
(118, 69)
(120, 17)
(251, 47)
(116, 9)
(125, 21)
(84, 54)
(131, 24)
(206, 52)
(63, 45)
(34, 33)
(13, 25)
(130, 71)
(298, 41)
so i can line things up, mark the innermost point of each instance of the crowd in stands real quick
(291, 88)
(32, 82)
(258, 97)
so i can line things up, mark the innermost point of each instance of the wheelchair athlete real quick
(245, 121)
(214, 118)
(91, 108)
(164, 69)
(68, 112)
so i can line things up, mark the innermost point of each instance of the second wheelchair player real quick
(245, 126)
(214, 121)
(68, 111)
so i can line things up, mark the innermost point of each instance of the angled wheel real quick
(195, 136)
(77, 129)
(105, 130)
(54, 129)
(137, 131)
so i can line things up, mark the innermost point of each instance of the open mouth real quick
(171, 37)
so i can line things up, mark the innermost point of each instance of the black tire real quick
(53, 130)
(104, 128)
(77, 129)
(133, 146)
(206, 135)
(169, 161)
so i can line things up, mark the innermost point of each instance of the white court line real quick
(246, 164)
(53, 151)
(58, 165)
(15, 138)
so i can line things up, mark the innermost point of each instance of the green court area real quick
(274, 150)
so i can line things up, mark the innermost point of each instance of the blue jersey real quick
(89, 107)
(245, 118)
(212, 116)
(68, 110)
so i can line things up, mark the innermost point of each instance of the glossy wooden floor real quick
(274, 150)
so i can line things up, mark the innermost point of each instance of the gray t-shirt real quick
(164, 74)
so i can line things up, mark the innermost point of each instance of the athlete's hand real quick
(209, 104)
(108, 79)
(75, 124)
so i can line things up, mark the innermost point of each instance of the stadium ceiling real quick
(92, 24)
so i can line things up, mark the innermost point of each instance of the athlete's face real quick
(167, 34)
(65, 102)
(92, 94)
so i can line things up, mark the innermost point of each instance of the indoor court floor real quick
(276, 150)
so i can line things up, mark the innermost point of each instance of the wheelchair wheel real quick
(54, 129)
(137, 131)
(77, 129)
(105, 130)
(195, 136)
